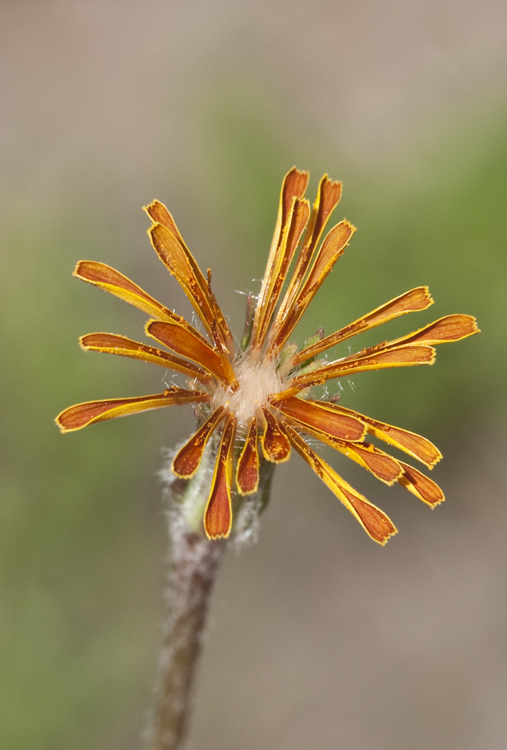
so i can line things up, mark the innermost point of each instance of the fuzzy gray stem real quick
(193, 563)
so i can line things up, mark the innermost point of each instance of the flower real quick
(260, 396)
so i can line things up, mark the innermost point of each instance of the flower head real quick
(256, 400)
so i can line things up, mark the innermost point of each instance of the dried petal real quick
(332, 247)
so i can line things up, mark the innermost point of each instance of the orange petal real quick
(113, 344)
(442, 331)
(183, 342)
(187, 460)
(384, 467)
(322, 417)
(293, 186)
(421, 486)
(81, 415)
(402, 356)
(247, 474)
(99, 274)
(413, 301)
(415, 445)
(372, 519)
(332, 247)
(178, 259)
(275, 444)
(327, 198)
(218, 513)
(277, 271)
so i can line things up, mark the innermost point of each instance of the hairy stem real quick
(193, 563)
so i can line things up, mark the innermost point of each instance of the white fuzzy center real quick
(256, 383)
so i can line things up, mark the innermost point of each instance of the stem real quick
(193, 563)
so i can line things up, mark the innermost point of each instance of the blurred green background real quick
(318, 637)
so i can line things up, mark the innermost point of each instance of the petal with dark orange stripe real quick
(187, 460)
(372, 519)
(247, 472)
(107, 278)
(332, 247)
(81, 415)
(413, 301)
(443, 331)
(218, 513)
(113, 344)
(421, 486)
(183, 342)
(402, 356)
(274, 441)
(180, 262)
(410, 442)
(322, 417)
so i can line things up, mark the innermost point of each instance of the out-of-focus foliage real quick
(81, 525)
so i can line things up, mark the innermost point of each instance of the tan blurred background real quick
(318, 638)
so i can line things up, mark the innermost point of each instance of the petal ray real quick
(178, 259)
(414, 300)
(81, 415)
(328, 196)
(402, 356)
(182, 341)
(322, 417)
(332, 248)
(187, 460)
(113, 344)
(421, 486)
(218, 513)
(274, 441)
(374, 521)
(107, 278)
(443, 331)
(247, 472)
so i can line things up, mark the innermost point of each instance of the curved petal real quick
(187, 460)
(107, 278)
(372, 519)
(328, 196)
(175, 255)
(183, 341)
(322, 417)
(402, 356)
(414, 300)
(81, 415)
(443, 331)
(111, 343)
(410, 442)
(218, 513)
(332, 248)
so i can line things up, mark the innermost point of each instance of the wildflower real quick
(258, 399)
